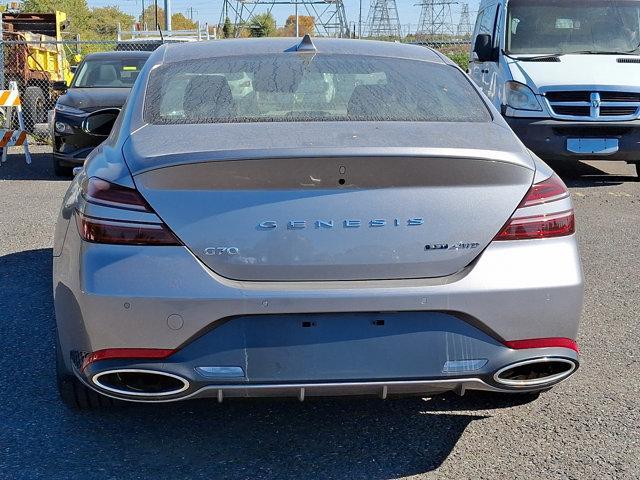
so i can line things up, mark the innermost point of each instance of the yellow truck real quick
(36, 60)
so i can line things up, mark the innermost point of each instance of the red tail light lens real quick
(555, 224)
(542, 226)
(99, 230)
(549, 190)
(96, 190)
(114, 230)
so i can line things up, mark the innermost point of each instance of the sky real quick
(209, 10)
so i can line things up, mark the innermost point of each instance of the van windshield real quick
(572, 26)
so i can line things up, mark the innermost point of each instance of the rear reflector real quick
(127, 353)
(542, 343)
(539, 226)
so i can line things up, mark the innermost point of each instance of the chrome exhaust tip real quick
(140, 383)
(537, 372)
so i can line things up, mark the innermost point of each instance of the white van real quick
(564, 73)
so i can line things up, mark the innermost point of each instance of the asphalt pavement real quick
(586, 428)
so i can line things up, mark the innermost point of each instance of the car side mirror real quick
(483, 48)
(59, 86)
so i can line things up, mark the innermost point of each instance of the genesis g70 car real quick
(362, 221)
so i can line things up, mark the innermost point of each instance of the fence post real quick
(1, 53)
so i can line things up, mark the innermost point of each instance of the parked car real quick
(400, 239)
(564, 74)
(83, 116)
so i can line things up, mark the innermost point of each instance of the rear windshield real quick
(120, 73)
(290, 87)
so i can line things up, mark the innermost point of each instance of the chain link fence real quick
(40, 70)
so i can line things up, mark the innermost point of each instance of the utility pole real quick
(167, 15)
(360, 21)
(297, 21)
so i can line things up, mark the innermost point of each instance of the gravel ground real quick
(586, 428)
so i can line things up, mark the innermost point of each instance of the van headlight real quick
(520, 97)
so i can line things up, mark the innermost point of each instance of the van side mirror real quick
(483, 48)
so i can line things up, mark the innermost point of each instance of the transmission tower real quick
(464, 25)
(383, 20)
(329, 15)
(435, 18)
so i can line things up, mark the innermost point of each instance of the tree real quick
(227, 29)
(180, 22)
(105, 20)
(150, 17)
(262, 25)
(89, 23)
(306, 25)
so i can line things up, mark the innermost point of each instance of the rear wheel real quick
(73, 392)
(35, 107)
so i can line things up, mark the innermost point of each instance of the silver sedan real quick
(362, 221)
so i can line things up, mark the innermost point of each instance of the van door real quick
(486, 74)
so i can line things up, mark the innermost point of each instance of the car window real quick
(120, 73)
(289, 87)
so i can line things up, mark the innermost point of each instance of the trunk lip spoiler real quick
(511, 158)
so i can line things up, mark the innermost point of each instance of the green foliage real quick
(263, 25)
(461, 58)
(104, 22)
(90, 23)
(227, 29)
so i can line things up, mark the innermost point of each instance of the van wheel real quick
(73, 393)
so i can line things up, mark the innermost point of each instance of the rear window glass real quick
(290, 87)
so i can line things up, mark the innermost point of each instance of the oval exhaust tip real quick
(535, 372)
(140, 383)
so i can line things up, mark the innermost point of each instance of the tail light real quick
(114, 230)
(546, 225)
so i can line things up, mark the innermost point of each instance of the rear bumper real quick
(548, 138)
(110, 296)
(337, 354)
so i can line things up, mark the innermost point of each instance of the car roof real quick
(257, 46)
(115, 55)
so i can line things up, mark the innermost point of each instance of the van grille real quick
(589, 106)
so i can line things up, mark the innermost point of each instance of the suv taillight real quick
(119, 231)
(546, 225)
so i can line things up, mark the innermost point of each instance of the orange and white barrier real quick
(10, 99)
(11, 138)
